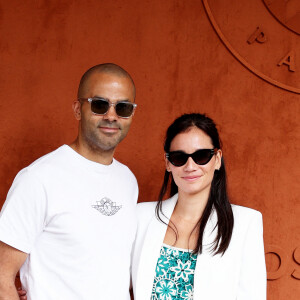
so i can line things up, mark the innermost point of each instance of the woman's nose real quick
(190, 165)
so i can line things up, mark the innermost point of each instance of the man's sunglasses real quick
(100, 106)
(200, 157)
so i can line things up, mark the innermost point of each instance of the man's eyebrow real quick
(100, 97)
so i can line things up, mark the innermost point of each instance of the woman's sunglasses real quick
(100, 106)
(200, 157)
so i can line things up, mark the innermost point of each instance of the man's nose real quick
(111, 114)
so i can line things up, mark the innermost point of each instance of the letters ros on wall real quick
(283, 257)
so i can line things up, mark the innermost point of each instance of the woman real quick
(196, 245)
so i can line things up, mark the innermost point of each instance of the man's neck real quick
(96, 155)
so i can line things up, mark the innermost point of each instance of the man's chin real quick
(108, 144)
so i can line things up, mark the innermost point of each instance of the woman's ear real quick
(167, 163)
(77, 110)
(218, 159)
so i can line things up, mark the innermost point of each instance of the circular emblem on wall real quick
(286, 12)
(263, 35)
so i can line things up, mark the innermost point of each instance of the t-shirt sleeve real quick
(23, 214)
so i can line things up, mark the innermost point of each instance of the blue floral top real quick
(174, 278)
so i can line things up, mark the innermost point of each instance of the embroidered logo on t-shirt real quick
(107, 207)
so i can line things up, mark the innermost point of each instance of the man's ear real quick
(77, 109)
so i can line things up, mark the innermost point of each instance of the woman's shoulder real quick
(146, 206)
(147, 209)
(245, 214)
(245, 211)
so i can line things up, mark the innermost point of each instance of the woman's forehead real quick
(193, 138)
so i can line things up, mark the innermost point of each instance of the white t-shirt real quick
(77, 220)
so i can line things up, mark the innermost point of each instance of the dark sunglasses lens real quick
(124, 109)
(99, 106)
(177, 159)
(202, 157)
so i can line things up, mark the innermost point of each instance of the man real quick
(69, 218)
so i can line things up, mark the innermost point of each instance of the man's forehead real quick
(109, 85)
(101, 78)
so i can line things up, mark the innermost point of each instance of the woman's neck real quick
(183, 231)
(190, 207)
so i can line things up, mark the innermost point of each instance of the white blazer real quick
(240, 274)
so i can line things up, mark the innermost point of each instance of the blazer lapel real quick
(204, 288)
(151, 249)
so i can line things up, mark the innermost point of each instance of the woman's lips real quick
(191, 178)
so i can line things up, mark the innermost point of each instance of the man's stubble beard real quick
(99, 142)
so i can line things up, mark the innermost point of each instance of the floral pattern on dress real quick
(188, 293)
(174, 278)
(182, 270)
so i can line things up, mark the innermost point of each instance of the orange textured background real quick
(179, 65)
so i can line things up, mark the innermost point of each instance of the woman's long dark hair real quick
(218, 198)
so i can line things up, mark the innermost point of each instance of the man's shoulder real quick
(123, 170)
(42, 164)
(48, 158)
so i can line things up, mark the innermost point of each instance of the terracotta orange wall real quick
(179, 64)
